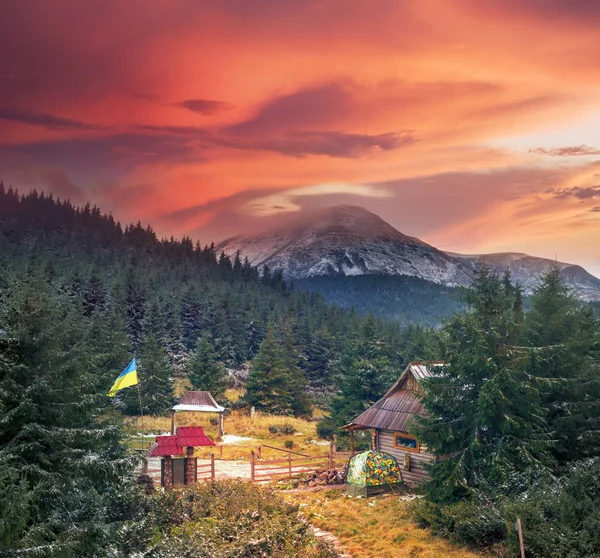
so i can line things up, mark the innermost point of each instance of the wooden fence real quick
(290, 464)
(206, 471)
(287, 467)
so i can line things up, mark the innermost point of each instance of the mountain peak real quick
(345, 240)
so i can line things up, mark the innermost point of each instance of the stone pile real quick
(322, 477)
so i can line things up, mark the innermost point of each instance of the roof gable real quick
(400, 403)
(201, 401)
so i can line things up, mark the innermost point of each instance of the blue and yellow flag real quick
(127, 378)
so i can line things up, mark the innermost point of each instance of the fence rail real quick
(262, 470)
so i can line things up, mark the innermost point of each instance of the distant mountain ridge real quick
(347, 240)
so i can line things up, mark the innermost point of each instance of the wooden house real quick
(389, 419)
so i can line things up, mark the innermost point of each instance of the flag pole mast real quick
(141, 410)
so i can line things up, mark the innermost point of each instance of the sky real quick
(472, 125)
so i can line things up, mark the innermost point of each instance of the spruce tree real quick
(61, 460)
(206, 372)
(154, 376)
(486, 416)
(269, 385)
(567, 335)
(301, 403)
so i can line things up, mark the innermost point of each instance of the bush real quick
(560, 517)
(325, 429)
(285, 428)
(225, 518)
(289, 444)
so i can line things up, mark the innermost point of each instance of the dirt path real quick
(330, 537)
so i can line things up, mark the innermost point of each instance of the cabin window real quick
(406, 442)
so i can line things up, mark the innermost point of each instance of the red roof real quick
(166, 445)
(193, 436)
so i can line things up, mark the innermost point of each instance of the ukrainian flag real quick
(127, 378)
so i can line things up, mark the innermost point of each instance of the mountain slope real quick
(347, 240)
(526, 269)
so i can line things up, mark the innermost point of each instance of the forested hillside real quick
(401, 299)
(167, 301)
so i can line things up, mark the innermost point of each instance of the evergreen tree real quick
(301, 403)
(206, 372)
(486, 416)
(154, 376)
(269, 384)
(568, 336)
(60, 460)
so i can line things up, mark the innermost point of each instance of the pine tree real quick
(486, 416)
(154, 376)
(206, 372)
(301, 403)
(60, 460)
(568, 336)
(268, 386)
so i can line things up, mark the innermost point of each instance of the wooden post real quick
(144, 465)
(212, 466)
(373, 439)
(521, 544)
(330, 455)
(172, 423)
(252, 466)
(290, 464)
(168, 472)
(352, 441)
(220, 434)
(259, 452)
(191, 473)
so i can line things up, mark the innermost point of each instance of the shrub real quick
(325, 429)
(285, 428)
(289, 444)
(225, 518)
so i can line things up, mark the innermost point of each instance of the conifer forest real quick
(513, 415)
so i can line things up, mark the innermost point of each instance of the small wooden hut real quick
(198, 402)
(389, 419)
(179, 471)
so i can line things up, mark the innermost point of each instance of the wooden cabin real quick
(389, 419)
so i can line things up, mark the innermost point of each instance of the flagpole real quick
(141, 409)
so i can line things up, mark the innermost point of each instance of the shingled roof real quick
(399, 405)
(166, 445)
(193, 436)
(198, 401)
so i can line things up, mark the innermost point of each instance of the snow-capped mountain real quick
(525, 269)
(346, 240)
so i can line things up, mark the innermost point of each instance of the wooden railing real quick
(288, 467)
(206, 471)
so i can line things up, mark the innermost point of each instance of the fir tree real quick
(301, 403)
(206, 372)
(60, 461)
(568, 337)
(268, 387)
(485, 406)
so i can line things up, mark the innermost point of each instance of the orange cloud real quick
(184, 114)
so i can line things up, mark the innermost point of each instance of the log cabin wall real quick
(417, 472)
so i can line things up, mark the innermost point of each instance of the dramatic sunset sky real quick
(474, 125)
